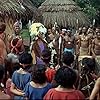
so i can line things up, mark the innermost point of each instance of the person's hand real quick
(57, 67)
(93, 56)
(21, 94)
(94, 76)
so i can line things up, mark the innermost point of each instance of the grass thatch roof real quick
(64, 12)
(17, 8)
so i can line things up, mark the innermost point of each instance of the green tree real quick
(37, 3)
(90, 7)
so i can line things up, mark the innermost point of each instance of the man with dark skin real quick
(17, 35)
(77, 36)
(50, 36)
(91, 32)
(96, 49)
(69, 42)
(96, 43)
(3, 50)
(84, 43)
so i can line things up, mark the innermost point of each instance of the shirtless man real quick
(69, 42)
(96, 43)
(77, 35)
(91, 32)
(50, 36)
(84, 43)
(96, 49)
(3, 50)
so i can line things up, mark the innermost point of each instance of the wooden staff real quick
(59, 59)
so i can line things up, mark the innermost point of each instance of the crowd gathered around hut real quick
(57, 65)
(60, 60)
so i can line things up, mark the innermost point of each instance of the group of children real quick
(41, 82)
(37, 82)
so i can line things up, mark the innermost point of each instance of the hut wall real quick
(9, 25)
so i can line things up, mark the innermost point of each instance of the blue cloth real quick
(20, 80)
(33, 93)
(69, 50)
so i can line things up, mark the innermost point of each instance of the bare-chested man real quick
(96, 43)
(77, 36)
(84, 43)
(91, 32)
(96, 49)
(50, 35)
(69, 42)
(3, 50)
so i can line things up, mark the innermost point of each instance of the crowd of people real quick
(63, 65)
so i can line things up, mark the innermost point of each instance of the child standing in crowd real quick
(21, 77)
(2, 95)
(66, 78)
(12, 64)
(38, 87)
(50, 72)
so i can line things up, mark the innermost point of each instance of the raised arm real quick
(92, 49)
(90, 45)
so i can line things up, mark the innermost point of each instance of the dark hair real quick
(14, 67)
(88, 63)
(25, 58)
(46, 55)
(66, 77)
(38, 74)
(1, 72)
(68, 58)
(2, 27)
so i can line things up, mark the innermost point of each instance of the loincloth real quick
(69, 50)
(84, 51)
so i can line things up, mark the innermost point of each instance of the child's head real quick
(88, 64)
(25, 59)
(12, 63)
(1, 72)
(68, 58)
(38, 75)
(66, 77)
(46, 56)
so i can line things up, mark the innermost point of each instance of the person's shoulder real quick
(80, 94)
(98, 81)
(52, 90)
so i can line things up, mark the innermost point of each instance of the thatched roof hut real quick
(64, 12)
(11, 10)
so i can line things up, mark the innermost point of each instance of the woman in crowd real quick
(21, 77)
(66, 79)
(38, 87)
